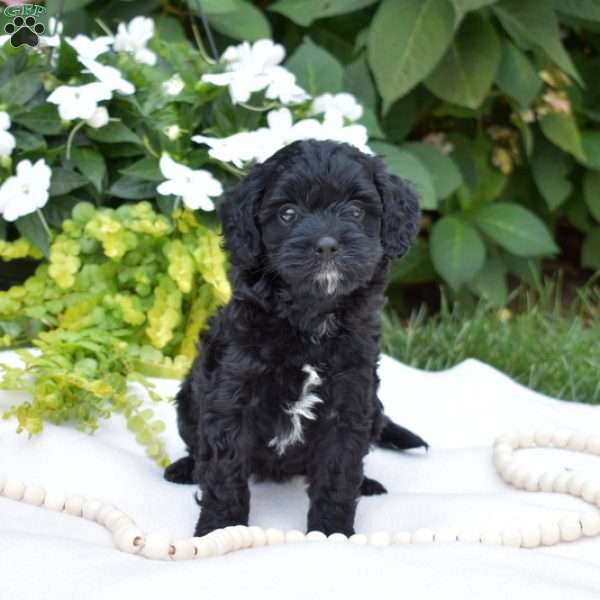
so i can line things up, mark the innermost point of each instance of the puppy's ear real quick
(401, 213)
(238, 213)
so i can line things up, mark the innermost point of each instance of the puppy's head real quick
(321, 215)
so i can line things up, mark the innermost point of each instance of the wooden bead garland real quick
(128, 537)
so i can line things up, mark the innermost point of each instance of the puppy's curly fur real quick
(285, 379)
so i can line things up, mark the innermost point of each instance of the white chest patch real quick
(302, 408)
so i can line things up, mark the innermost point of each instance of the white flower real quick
(173, 86)
(283, 87)
(89, 48)
(355, 135)
(253, 68)
(237, 148)
(26, 191)
(7, 139)
(79, 102)
(53, 41)
(108, 76)
(344, 104)
(99, 118)
(173, 132)
(194, 187)
(133, 38)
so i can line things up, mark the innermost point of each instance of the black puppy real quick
(285, 381)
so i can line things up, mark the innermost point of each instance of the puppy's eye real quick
(287, 214)
(356, 213)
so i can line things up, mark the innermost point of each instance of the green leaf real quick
(315, 69)
(31, 228)
(461, 7)
(590, 141)
(132, 188)
(41, 119)
(213, 7)
(246, 22)
(581, 9)
(21, 88)
(357, 81)
(444, 173)
(63, 181)
(517, 77)
(27, 141)
(405, 165)
(112, 133)
(169, 29)
(415, 266)
(550, 168)
(304, 12)
(591, 193)
(562, 131)
(69, 5)
(400, 118)
(406, 41)
(535, 21)
(515, 228)
(59, 209)
(490, 282)
(590, 250)
(467, 70)
(91, 164)
(147, 169)
(457, 250)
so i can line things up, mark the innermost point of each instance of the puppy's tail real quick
(396, 437)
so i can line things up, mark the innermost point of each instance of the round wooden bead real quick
(519, 477)
(491, 537)
(503, 448)
(589, 490)
(237, 538)
(274, 536)
(294, 535)
(203, 547)
(531, 536)
(508, 473)
(511, 537)
(34, 494)
(422, 536)
(590, 523)
(502, 463)
(73, 505)
(244, 535)
(549, 532)
(532, 480)
(338, 538)
(90, 509)
(542, 438)
(577, 441)
(258, 536)
(570, 528)
(446, 535)
(222, 542)
(469, 535)
(118, 523)
(315, 536)
(129, 539)
(576, 483)
(546, 483)
(105, 510)
(401, 537)
(380, 538)
(358, 538)
(55, 501)
(182, 550)
(14, 489)
(592, 444)
(156, 546)
(526, 439)
(561, 483)
(561, 437)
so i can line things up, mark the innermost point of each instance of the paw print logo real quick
(24, 31)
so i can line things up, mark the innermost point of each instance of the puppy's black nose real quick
(327, 246)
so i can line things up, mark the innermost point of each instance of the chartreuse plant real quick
(125, 294)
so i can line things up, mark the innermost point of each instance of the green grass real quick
(540, 341)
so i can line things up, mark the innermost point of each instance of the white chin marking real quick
(303, 407)
(329, 278)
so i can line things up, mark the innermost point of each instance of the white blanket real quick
(46, 556)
